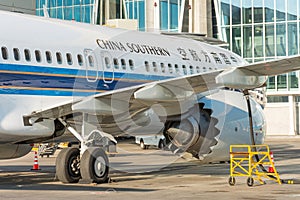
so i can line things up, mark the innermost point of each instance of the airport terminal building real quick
(258, 30)
(151, 15)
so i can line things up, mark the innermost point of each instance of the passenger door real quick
(91, 65)
(107, 67)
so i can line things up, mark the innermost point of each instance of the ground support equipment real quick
(248, 160)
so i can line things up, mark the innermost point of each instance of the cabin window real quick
(184, 69)
(27, 55)
(48, 57)
(191, 70)
(116, 63)
(162, 66)
(131, 64)
(58, 58)
(198, 69)
(38, 57)
(147, 66)
(4, 53)
(69, 58)
(79, 59)
(204, 69)
(16, 54)
(107, 62)
(91, 61)
(123, 63)
(177, 68)
(170, 68)
(154, 66)
(210, 69)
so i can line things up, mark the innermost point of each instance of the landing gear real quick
(161, 144)
(94, 165)
(90, 163)
(68, 165)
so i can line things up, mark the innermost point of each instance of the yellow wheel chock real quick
(246, 160)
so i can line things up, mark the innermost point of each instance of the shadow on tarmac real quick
(45, 180)
(22, 178)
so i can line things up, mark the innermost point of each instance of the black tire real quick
(142, 145)
(250, 181)
(68, 165)
(231, 181)
(161, 144)
(94, 165)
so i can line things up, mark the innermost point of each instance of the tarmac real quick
(153, 174)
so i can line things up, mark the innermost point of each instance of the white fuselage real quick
(46, 62)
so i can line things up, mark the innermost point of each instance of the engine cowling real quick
(9, 151)
(219, 120)
(195, 135)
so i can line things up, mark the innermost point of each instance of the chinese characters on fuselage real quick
(192, 54)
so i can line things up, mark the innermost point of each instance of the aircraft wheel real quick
(161, 144)
(94, 165)
(68, 165)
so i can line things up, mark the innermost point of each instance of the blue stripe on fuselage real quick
(53, 81)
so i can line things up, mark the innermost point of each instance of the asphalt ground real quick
(153, 174)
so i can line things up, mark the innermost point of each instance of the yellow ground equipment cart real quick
(248, 160)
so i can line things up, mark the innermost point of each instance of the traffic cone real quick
(36, 162)
(271, 169)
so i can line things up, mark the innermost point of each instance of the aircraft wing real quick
(171, 93)
(274, 67)
(131, 99)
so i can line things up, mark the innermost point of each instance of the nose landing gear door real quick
(91, 65)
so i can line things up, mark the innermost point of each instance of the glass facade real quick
(82, 11)
(169, 15)
(136, 9)
(260, 30)
(78, 10)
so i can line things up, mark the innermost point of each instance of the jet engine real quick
(8, 151)
(219, 120)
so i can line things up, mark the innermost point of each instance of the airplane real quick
(62, 80)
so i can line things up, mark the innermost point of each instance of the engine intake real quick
(222, 119)
(195, 134)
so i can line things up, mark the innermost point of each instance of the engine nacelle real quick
(219, 120)
(9, 151)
